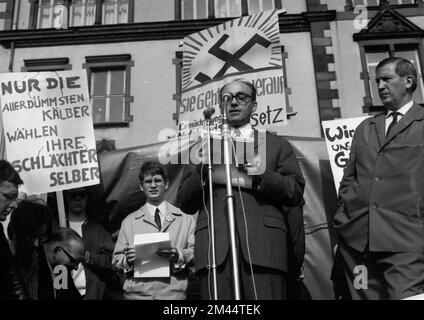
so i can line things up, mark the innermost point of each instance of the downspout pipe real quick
(15, 20)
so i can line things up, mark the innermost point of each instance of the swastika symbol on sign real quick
(232, 60)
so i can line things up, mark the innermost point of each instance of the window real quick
(389, 34)
(82, 13)
(256, 6)
(374, 54)
(75, 13)
(370, 3)
(202, 9)
(194, 9)
(115, 11)
(109, 82)
(108, 95)
(50, 12)
(227, 8)
(6, 14)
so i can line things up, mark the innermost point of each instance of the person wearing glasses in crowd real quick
(30, 226)
(63, 248)
(96, 280)
(157, 215)
(270, 183)
(11, 287)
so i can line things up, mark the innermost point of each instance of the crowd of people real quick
(379, 221)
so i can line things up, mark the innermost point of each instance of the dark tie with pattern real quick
(157, 219)
(394, 121)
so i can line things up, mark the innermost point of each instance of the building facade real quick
(131, 51)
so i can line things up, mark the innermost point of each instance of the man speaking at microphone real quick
(268, 184)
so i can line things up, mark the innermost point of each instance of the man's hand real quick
(256, 168)
(172, 253)
(130, 255)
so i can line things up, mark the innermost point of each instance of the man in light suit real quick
(269, 186)
(157, 215)
(380, 221)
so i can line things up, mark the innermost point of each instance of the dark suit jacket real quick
(281, 185)
(98, 271)
(11, 287)
(381, 193)
(46, 290)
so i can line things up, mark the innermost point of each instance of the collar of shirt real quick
(245, 130)
(152, 209)
(402, 110)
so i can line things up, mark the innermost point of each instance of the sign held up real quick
(338, 136)
(48, 129)
(248, 48)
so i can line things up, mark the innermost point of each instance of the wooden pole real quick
(61, 209)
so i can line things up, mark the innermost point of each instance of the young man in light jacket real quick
(157, 215)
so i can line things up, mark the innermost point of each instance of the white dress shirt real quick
(162, 211)
(78, 275)
(245, 131)
(152, 210)
(402, 111)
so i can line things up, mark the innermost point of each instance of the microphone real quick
(208, 112)
(227, 97)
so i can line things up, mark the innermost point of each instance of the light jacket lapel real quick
(415, 113)
(168, 218)
(146, 216)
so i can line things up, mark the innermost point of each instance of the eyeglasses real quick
(83, 259)
(10, 196)
(241, 98)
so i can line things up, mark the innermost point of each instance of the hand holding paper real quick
(148, 264)
(129, 255)
(171, 252)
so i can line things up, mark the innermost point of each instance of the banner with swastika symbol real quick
(245, 48)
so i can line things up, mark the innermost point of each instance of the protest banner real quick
(248, 48)
(48, 129)
(338, 136)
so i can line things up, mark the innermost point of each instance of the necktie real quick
(393, 123)
(236, 133)
(157, 219)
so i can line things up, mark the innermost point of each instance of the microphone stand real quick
(211, 212)
(225, 131)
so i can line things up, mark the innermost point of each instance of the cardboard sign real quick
(247, 48)
(338, 135)
(48, 129)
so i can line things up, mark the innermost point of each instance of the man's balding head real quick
(67, 248)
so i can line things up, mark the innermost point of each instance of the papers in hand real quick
(148, 264)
